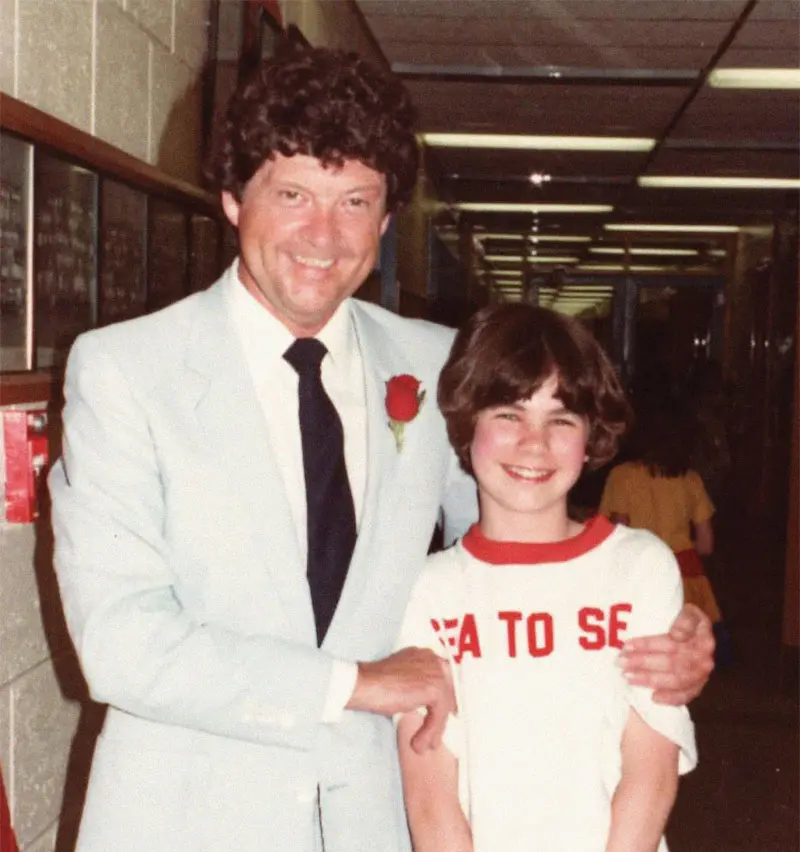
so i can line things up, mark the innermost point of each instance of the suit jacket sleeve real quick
(460, 502)
(139, 648)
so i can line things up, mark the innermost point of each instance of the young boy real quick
(551, 750)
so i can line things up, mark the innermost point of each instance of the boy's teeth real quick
(527, 473)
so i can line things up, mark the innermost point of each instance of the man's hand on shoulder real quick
(676, 665)
(408, 680)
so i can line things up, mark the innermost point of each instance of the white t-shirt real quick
(533, 632)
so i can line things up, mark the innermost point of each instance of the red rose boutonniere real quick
(403, 402)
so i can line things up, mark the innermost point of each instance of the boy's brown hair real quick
(505, 353)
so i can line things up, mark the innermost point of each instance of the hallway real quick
(744, 795)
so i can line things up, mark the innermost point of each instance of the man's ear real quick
(385, 223)
(231, 207)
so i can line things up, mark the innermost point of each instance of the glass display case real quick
(204, 257)
(15, 215)
(168, 254)
(82, 246)
(65, 255)
(123, 252)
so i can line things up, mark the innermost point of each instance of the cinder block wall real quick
(126, 71)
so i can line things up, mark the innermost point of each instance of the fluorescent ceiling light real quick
(685, 182)
(538, 143)
(515, 258)
(611, 267)
(557, 238)
(532, 208)
(755, 78)
(574, 310)
(581, 297)
(677, 229)
(675, 252)
(535, 238)
(484, 236)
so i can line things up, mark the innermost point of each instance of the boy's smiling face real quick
(526, 456)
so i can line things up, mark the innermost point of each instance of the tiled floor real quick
(744, 795)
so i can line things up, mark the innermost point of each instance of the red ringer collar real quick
(596, 530)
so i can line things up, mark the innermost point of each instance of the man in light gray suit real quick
(239, 718)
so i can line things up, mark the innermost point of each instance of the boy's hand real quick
(676, 665)
(406, 681)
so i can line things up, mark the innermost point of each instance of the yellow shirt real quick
(667, 506)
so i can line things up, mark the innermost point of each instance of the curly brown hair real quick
(505, 353)
(326, 104)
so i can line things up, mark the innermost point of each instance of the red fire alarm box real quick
(26, 456)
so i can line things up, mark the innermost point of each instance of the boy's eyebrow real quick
(565, 410)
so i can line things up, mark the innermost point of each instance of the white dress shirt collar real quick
(264, 339)
(264, 331)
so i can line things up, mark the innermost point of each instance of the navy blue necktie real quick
(331, 518)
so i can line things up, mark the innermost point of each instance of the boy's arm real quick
(430, 787)
(646, 792)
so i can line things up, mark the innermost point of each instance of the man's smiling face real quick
(308, 236)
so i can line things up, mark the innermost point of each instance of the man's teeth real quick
(316, 262)
(527, 473)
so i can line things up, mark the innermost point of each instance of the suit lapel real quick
(380, 362)
(382, 456)
(234, 434)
